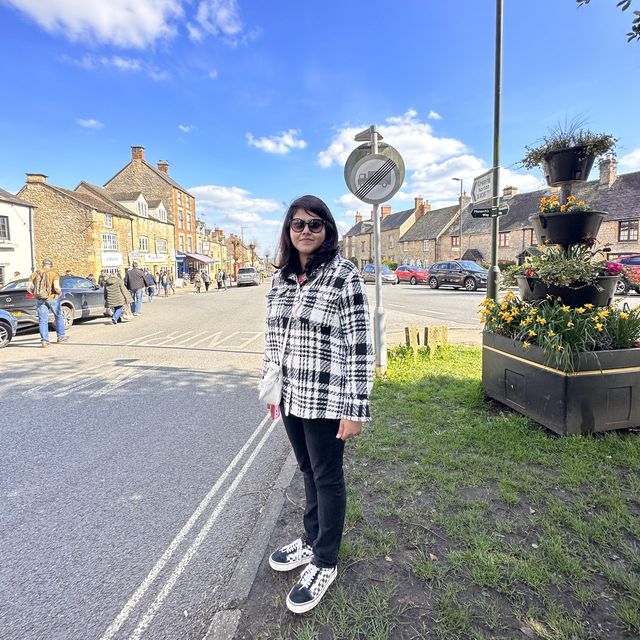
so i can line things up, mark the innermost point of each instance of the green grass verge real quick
(466, 520)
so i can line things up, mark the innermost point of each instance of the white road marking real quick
(212, 344)
(202, 535)
(56, 381)
(168, 338)
(246, 342)
(191, 338)
(141, 338)
(175, 543)
(126, 376)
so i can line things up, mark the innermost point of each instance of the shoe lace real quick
(309, 575)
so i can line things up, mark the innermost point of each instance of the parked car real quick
(248, 276)
(412, 275)
(630, 275)
(387, 273)
(8, 328)
(80, 298)
(457, 274)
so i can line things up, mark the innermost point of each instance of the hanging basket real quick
(567, 165)
(599, 294)
(573, 227)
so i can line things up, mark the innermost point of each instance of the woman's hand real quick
(349, 429)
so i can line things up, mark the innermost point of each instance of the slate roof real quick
(621, 201)
(154, 204)
(5, 196)
(366, 226)
(395, 220)
(127, 196)
(431, 224)
(99, 199)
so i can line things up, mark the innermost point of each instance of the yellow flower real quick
(570, 324)
(604, 313)
(580, 310)
(624, 316)
(532, 333)
(541, 320)
(566, 308)
(504, 305)
(483, 319)
(526, 345)
(563, 207)
(549, 296)
(533, 311)
(551, 333)
(528, 320)
(598, 326)
(491, 307)
(508, 319)
(588, 306)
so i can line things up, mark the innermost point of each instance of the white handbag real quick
(270, 387)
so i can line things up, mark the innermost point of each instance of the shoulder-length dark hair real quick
(289, 260)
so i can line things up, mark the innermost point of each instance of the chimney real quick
(163, 167)
(137, 153)
(32, 178)
(466, 200)
(509, 192)
(385, 210)
(608, 172)
(418, 203)
(358, 217)
(423, 207)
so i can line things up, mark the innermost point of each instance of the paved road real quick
(135, 461)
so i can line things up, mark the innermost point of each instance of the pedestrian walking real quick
(224, 279)
(206, 280)
(102, 278)
(219, 279)
(44, 284)
(172, 282)
(164, 283)
(197, 281)
(318, 338)
(116, 297)
(134, 281)
(150, 283)
(91, 278)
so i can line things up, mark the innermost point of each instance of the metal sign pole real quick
(379, 321)
(494, 272)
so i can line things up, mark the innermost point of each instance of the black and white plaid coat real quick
(328, 362)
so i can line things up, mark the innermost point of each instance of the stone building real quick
(78, 231)
(17, 252)
(617, 195)
(358, 241)
(156, 184)
(152, 236)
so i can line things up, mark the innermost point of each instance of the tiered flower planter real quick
(603, 391)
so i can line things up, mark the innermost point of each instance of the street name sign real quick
(490, 212)
(374, 178)
(482, 187)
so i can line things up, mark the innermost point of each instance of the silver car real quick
(248, 276)
(388, 275)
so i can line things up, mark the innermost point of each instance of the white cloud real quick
(120, 63)
(631, 161)
(431, 163)
(213, 74)
(216, 17)
(434, 115)
(123, 23)
(231, 208)
(90, 123)
(281, 143)
(186, 128)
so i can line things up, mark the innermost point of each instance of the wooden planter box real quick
(601, 395)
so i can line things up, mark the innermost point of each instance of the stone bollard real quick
(434, 336)
(412, 337)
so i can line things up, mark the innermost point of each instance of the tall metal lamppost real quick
(460, 214)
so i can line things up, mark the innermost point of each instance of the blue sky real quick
(254, 103)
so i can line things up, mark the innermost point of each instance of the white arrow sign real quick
(482, 187)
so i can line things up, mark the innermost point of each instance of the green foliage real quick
(567, 135)
(634, 34)
(392, 265)
(354, 260)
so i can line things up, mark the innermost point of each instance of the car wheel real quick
(67, 314)
(470, 284)
(433, 283)
(621, 288)
(5, 334)
(413, 280)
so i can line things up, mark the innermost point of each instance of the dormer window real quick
(143, 210)
(162, 214)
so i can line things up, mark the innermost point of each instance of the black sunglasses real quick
(315, 225)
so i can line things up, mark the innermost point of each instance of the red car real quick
(413, 275)
(630, 280)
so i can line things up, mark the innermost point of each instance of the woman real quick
(327, 374)
(116, 296)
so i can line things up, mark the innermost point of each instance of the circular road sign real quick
(374, 178)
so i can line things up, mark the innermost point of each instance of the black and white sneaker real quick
(310, 588)
(293, 555)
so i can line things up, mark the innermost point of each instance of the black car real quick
(80, 299)
(457, 274)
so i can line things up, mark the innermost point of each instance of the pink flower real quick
(613, 268)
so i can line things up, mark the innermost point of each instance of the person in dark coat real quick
(206, 278)
(115, 296)
(134, 281)
(150, 283)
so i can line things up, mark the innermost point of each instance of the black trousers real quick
(319, 454)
